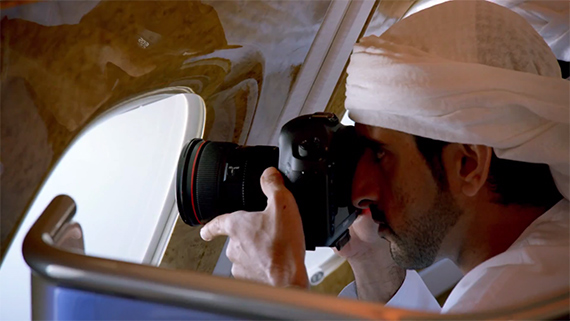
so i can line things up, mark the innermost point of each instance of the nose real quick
(365, 184)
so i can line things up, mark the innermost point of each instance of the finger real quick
(244, 273)
(233, 251)
(271, 181)
(239, 272)
(216, 227)
(273, 186)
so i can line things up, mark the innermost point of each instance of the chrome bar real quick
(193, 290)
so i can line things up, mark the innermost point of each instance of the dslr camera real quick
(317, 157)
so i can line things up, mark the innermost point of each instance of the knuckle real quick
(229, 227)
(232, 222)
(230, 253)
(236, 271)
(233, 252)
(214, 225)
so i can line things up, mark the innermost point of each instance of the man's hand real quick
(364, 240)
(377, 276)
(267, 246)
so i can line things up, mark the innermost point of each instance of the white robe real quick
(536, 264)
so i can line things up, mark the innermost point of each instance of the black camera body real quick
(317, 157)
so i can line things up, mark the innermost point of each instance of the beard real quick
(416, 245)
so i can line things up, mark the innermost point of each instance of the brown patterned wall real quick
(62, 68)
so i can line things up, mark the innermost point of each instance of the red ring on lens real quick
(192, 181)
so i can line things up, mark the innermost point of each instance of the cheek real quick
(412, 191)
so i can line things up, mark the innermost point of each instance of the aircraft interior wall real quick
(68, 66)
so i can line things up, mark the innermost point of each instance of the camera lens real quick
(215, 178)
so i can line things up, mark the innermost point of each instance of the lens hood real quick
(185, 181)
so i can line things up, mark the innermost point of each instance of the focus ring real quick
(209, 177)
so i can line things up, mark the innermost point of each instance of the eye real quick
(376, 148)
(378, 155)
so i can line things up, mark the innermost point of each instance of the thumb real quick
(271, 182)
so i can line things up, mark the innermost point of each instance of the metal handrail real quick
(236, 298)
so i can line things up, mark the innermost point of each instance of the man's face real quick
(393, 179)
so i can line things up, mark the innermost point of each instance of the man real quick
(466, 119)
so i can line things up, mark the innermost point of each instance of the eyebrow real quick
(372, 144)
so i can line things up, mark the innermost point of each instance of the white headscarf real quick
(550, 18)
(469, 72)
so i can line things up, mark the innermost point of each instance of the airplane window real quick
(120, 173)
(241, 57)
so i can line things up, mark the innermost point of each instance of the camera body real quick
(317, 157)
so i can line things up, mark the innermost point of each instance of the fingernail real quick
(271, 171)
(203, 234)
(271, 175)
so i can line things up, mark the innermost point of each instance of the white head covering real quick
(470, 72)
(550, 18)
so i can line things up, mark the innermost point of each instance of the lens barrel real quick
(215, 178)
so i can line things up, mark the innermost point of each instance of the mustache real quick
(377, 214)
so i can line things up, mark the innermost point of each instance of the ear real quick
(472, 164)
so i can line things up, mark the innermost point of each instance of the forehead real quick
(383, 135)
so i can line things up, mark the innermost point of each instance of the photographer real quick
(466, 118)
